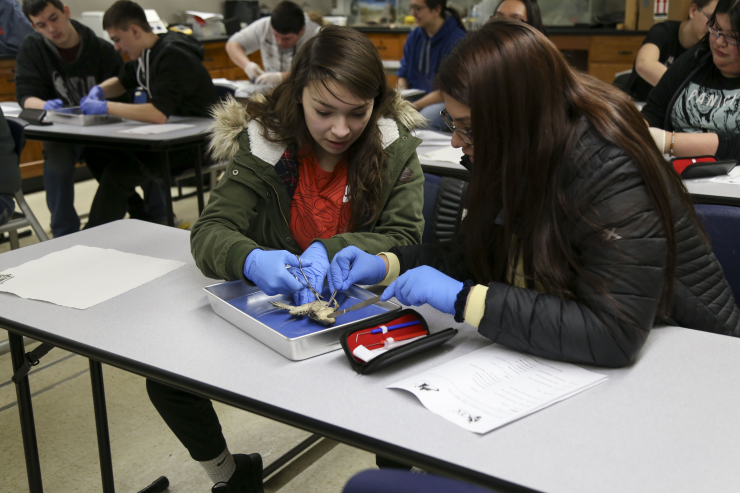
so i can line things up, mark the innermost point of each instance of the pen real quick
(385, 329)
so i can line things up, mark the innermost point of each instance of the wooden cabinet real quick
(389, 45)
(606, 55)
(219, 65)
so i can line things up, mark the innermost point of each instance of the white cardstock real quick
(82, 276)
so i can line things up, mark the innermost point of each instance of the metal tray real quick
(296, 338)
(74, 116)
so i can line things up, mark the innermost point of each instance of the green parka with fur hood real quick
(250, 207)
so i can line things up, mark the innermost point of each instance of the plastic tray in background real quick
(296, 338)
(74, 116)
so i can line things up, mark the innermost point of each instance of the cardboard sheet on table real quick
(83, 276)
(256, 305)
(446, 155)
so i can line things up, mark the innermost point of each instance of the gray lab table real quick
(110, 136)
(719, 190)
(668, 423)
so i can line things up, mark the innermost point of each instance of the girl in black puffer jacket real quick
(578, 235)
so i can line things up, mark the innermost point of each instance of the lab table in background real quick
(110, 136)
(666, 423)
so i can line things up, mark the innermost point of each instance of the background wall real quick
(168, 10)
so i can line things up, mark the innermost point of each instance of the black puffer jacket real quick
(627, 252)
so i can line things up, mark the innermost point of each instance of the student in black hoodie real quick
(56, 66)
(171, 72)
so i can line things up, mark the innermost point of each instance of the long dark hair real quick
(534, 17)
(433, 4)
(343, 55)
(526, 155)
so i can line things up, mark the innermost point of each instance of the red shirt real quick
(320, 208)
(69, 55)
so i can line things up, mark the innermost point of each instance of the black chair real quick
(722, 224)
(443, 207)
(24, 218)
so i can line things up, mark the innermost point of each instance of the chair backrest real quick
(443, 207)
(16, 130)
(722, 224)
(431, 186)
(224, 91)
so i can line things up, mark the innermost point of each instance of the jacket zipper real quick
(270, 185)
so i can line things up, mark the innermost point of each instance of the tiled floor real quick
(143, 448)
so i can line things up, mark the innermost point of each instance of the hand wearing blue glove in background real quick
(53, 104)
(96, 94)
(353, 266)
(267, 270)
(94, 107)
(425, 285)
(316, 273)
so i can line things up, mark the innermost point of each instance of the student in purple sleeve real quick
(440, 30)
(664, 43)
(14, 27)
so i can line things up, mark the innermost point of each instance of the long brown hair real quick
(527, 105)
(343, 55)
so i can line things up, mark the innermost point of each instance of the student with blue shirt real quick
(440, 29)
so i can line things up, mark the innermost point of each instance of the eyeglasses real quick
(466, 134)
(731, 40)
(705, 14)
(416, 8)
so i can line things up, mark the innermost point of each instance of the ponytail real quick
(454, 13)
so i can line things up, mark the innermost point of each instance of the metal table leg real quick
(101, 424)
(25, 410)
(167, 187)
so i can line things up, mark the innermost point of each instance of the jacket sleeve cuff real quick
(476, 306)
(394, 269)
(333, 246)
(235, 259)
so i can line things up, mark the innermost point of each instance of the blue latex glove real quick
(93, 107)
(53, 104)
(316, 273)
(267, 270)
(353, 266)
(425, 285)
(96, 94)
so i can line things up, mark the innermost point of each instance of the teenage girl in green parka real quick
(325, 161)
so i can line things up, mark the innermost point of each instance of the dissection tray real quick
(296, 338)
(74, 116)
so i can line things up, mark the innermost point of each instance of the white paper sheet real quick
(407, 93)
(493, 386)
(83, 276)
(156, 129)
(447, 155)
(433, 138)
(10, 108)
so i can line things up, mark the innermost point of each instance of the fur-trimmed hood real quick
(231, 119)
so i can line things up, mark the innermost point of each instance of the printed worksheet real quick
(493, 386)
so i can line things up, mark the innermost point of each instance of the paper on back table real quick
(493, 386)
(83, 276)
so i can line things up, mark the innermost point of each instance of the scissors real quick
(308, 284)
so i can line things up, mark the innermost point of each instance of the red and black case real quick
(350, 339)
(701, 166)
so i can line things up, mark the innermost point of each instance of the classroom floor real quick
(143, 447)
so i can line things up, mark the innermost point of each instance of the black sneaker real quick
(247, 477)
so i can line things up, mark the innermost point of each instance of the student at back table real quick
(664, 43)
(56, 66)
(278, 38)
(172, 74)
